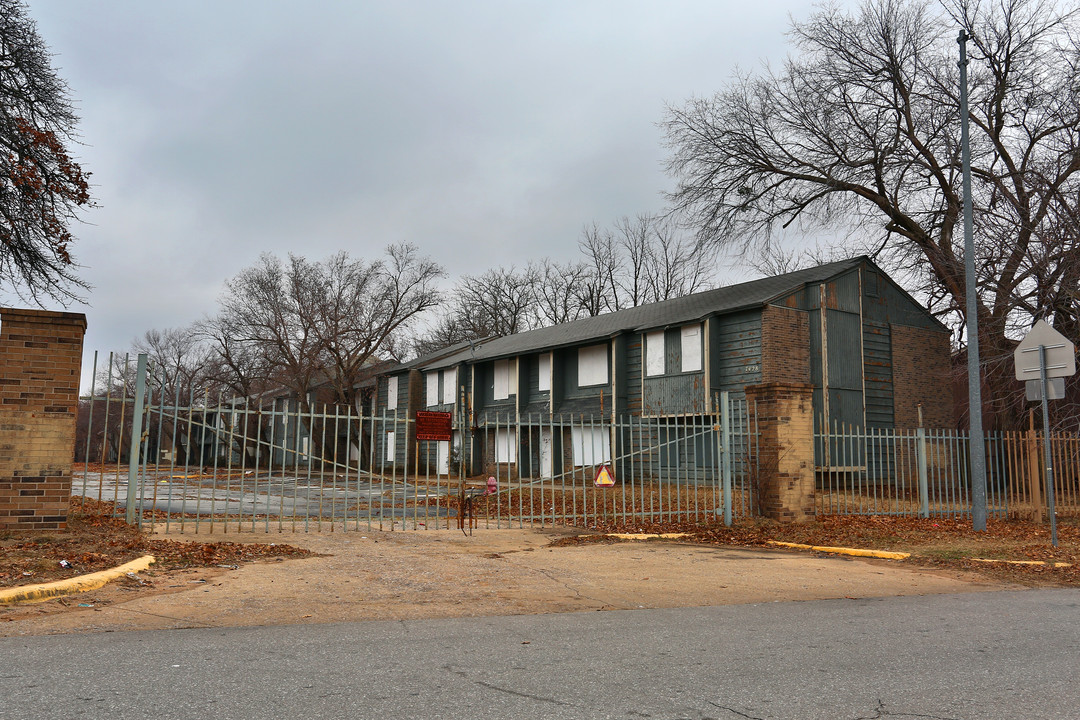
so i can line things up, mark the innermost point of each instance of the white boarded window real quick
(391, 393)
(691, 348)
(449, 385)
(590, 446)
(390, 445)
(655, 353)
(432, 379)
(592, 365)
(545, 372)
(502, 379)
(505, 446)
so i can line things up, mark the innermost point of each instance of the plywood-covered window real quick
(502, 379)
(449, 386)
(545, 373)
(432, 380)
(592, 365)
(655, 352)
(505, 446)
(691, 348)
(590, 446)
(391, 443)
(391, 393)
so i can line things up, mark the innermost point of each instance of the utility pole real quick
(976, 453)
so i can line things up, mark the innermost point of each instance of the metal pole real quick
(976, 452)
(136, 438)
(1047, 455)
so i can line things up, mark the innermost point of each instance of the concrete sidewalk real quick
(372, 575)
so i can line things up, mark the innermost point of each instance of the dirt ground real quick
(372, 575)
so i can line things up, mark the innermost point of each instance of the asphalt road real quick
(979, 655)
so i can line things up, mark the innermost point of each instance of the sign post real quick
(1050, 354)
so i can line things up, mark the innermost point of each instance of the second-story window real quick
(391, 393)
(545, 373)
(691, 348)
(592, 365)
(449, 386)
(432, 380)
(502, 379)
(655, 353)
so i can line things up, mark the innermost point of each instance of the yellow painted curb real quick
(45, 591)
(884, 554)
(647, 536)
(1022, 562)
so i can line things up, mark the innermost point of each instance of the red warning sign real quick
(604, 477)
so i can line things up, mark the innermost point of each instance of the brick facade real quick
(40, 363)
(921, 365)
(785, 481)
(785, 345)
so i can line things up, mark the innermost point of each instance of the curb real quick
(1023, 562)
(46, 591)
(883, 554)
(647, 536)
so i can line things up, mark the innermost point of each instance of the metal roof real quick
(676, 311)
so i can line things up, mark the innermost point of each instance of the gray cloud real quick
(485, 132)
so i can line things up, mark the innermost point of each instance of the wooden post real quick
(1033, 473)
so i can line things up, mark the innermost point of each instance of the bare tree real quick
(644, 259)
(322, 323)
(861, 131)
(41, 187)
(560, 292)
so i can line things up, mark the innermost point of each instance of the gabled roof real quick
(443, 357)
(676, 311)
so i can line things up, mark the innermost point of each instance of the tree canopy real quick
(41, 186)
(860, 131)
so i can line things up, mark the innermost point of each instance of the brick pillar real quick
(785, 422)
(40, 364)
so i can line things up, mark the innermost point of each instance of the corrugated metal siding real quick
(845, 356)
(877, 343)
(634, 365)
(676, 394)
(735, 354)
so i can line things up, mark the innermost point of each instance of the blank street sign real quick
(1060, 353)
(1055, 389)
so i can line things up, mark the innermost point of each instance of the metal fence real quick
(277, 464)
(925, 472)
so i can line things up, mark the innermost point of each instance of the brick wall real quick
(785, 345)
(921, 374)
(784, 480)
(40, 363)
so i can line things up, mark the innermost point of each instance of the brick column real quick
(785, 422)
(40, 363)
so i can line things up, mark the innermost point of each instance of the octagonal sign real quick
(1060, 353)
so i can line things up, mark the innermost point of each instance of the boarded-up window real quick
(590, 446)
(545, 372)
(505, 446)
(502, 379)
(390, 445)
(432, 380)
(592, 365)
(691, 348)
(654, 353)
(391, 393)
(449, 385)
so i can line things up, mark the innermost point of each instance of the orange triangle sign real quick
(604, 477)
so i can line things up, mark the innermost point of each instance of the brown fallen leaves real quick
(94, 540)
(948, 543)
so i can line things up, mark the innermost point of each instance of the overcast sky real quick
(487, 133)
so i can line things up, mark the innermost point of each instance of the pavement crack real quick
(880, 712)
(733, 711)
(541, 698)
(577, 593)
(195, 623)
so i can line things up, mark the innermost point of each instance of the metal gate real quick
(275, 464)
